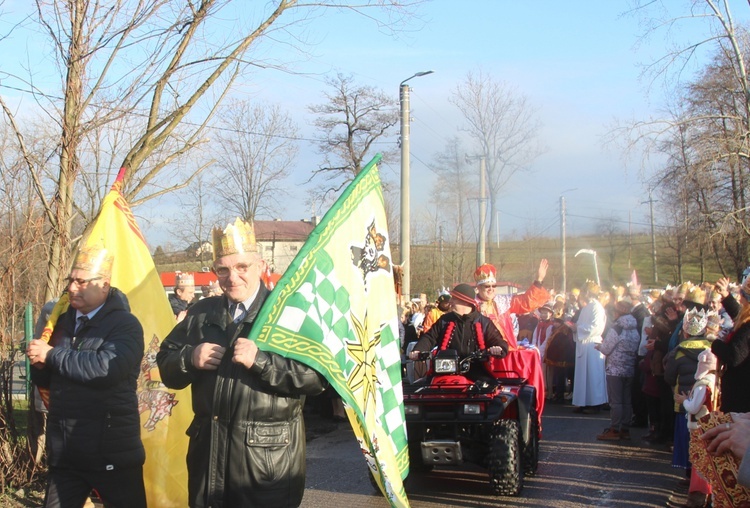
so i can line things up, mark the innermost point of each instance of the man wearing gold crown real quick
(247, 439)
(500, 307)
(90, 366)
(184, 293)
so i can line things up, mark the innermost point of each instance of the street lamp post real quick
(405, 237)
(591, 253)
(563, 234)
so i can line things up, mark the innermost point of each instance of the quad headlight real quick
(472, 409)
(446, 365)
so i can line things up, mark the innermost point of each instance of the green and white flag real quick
(335, 310)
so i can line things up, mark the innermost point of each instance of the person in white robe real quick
(590, 381)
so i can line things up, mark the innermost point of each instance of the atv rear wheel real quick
(504, 459)
(530, 456)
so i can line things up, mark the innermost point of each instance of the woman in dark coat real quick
(733, 352)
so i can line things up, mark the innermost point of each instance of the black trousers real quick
(68, 488)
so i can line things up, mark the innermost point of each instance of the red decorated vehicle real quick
(452, 419)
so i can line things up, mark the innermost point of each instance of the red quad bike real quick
(492, 422)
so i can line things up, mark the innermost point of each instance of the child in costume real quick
(697, 404)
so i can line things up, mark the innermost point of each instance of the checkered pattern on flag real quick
(335, 310)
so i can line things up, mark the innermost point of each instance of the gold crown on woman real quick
(95, 259)
(236, 238)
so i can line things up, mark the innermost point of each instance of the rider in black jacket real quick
(464, 329)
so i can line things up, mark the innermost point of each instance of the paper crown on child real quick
(183, 279)
(713, 319)
(236, 238)
(694, 322)
(485, 274)
(591, 288)
(696, 295)
(706, 364)
(95, 259)
(682, 289)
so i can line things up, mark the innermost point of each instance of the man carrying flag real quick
(335, 310)
(90, 367)
(247, 439)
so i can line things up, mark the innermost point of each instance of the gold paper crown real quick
(237, 238)
(696, 295)
(683, 289)
(183, 279)
(591, 288)
(95, 259)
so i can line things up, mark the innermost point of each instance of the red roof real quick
(201, 278)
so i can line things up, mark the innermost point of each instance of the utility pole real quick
(405, 219)
(482, 211)
(563, 261)
(563, 235)
(482, 207)
(497, 230)
(653, 235)
(630, 240)
(442, 259)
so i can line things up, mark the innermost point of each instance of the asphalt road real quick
(575, 470)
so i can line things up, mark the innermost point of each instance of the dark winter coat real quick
(247, 439)
(93, 422)
(733, 355)
(178, 305)
(463, 338)
(681, 364)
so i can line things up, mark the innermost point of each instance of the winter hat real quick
(706, 364)
(465, 294)
(624, 306)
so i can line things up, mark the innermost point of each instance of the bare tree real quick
(157, 62)
(257, 146)
(706, 140)
(504, 124)
(352, 120)
(452, 189)
(610, 230)
(199, 216)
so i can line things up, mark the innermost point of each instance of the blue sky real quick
(578, 62)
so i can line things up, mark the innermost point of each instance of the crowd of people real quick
(669, 360)
(673, 360)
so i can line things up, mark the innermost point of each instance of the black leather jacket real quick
(247, 440)
(93, 421)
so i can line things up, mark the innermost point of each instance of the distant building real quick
(279, 241)
(198, 248)
(507, 288)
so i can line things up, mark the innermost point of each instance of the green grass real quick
(21, 415)
(518, 260)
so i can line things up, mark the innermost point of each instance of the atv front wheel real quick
(504, 459)
(530, 456)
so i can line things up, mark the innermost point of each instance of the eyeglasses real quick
(79, 282)
(240, 268)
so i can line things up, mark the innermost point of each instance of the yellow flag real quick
(165, 414)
